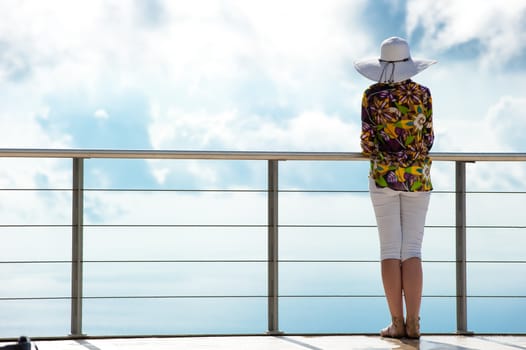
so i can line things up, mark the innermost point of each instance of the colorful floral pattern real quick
(397, 134)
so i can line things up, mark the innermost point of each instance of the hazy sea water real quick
(163, 297)
(355, 303)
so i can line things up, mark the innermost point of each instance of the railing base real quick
(275, 333)
(468, 333)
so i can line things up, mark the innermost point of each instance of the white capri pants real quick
(400, 217)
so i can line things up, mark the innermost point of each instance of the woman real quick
(397, 134)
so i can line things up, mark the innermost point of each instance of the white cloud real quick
(212, 54)
(308, 131)
(20, 114)
(499, 28)
(508, 119)
(498, 130)
(101, 114)
(160, 174)
(196, 43)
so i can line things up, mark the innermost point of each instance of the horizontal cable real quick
(285, 296)
(33, 298)
(242, 261)
(137, 225)
(233, 190)
(35, 225)
(36, 189)
(247, 226)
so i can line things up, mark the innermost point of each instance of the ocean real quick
(195, 262)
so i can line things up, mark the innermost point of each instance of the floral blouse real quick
(397, 134)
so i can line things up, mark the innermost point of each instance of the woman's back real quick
(397, 134)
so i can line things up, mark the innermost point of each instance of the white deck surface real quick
(357, 342)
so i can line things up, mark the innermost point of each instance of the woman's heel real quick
(412, 327)
(395, 330)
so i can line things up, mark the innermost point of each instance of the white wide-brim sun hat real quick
(395, 63)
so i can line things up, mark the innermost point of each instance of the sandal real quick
(395, 330)
(412, 328)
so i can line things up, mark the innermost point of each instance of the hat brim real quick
(372, 68)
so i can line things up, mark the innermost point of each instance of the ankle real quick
(412, 327)
(395, 330)
(398, 321)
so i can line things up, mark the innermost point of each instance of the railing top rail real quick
(236, 155)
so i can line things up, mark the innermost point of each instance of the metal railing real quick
(273, 225)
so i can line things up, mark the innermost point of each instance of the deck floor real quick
(347, 342)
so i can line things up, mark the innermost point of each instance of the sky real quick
(246, 76)
(251, 75)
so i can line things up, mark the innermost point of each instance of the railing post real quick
(273, 291)
(460, 192)
(77, 246)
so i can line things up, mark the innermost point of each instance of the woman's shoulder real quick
(377, 87)
(402, 85)
(418, 85)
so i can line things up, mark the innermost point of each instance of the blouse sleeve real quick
(367, 135)
(429, 136)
